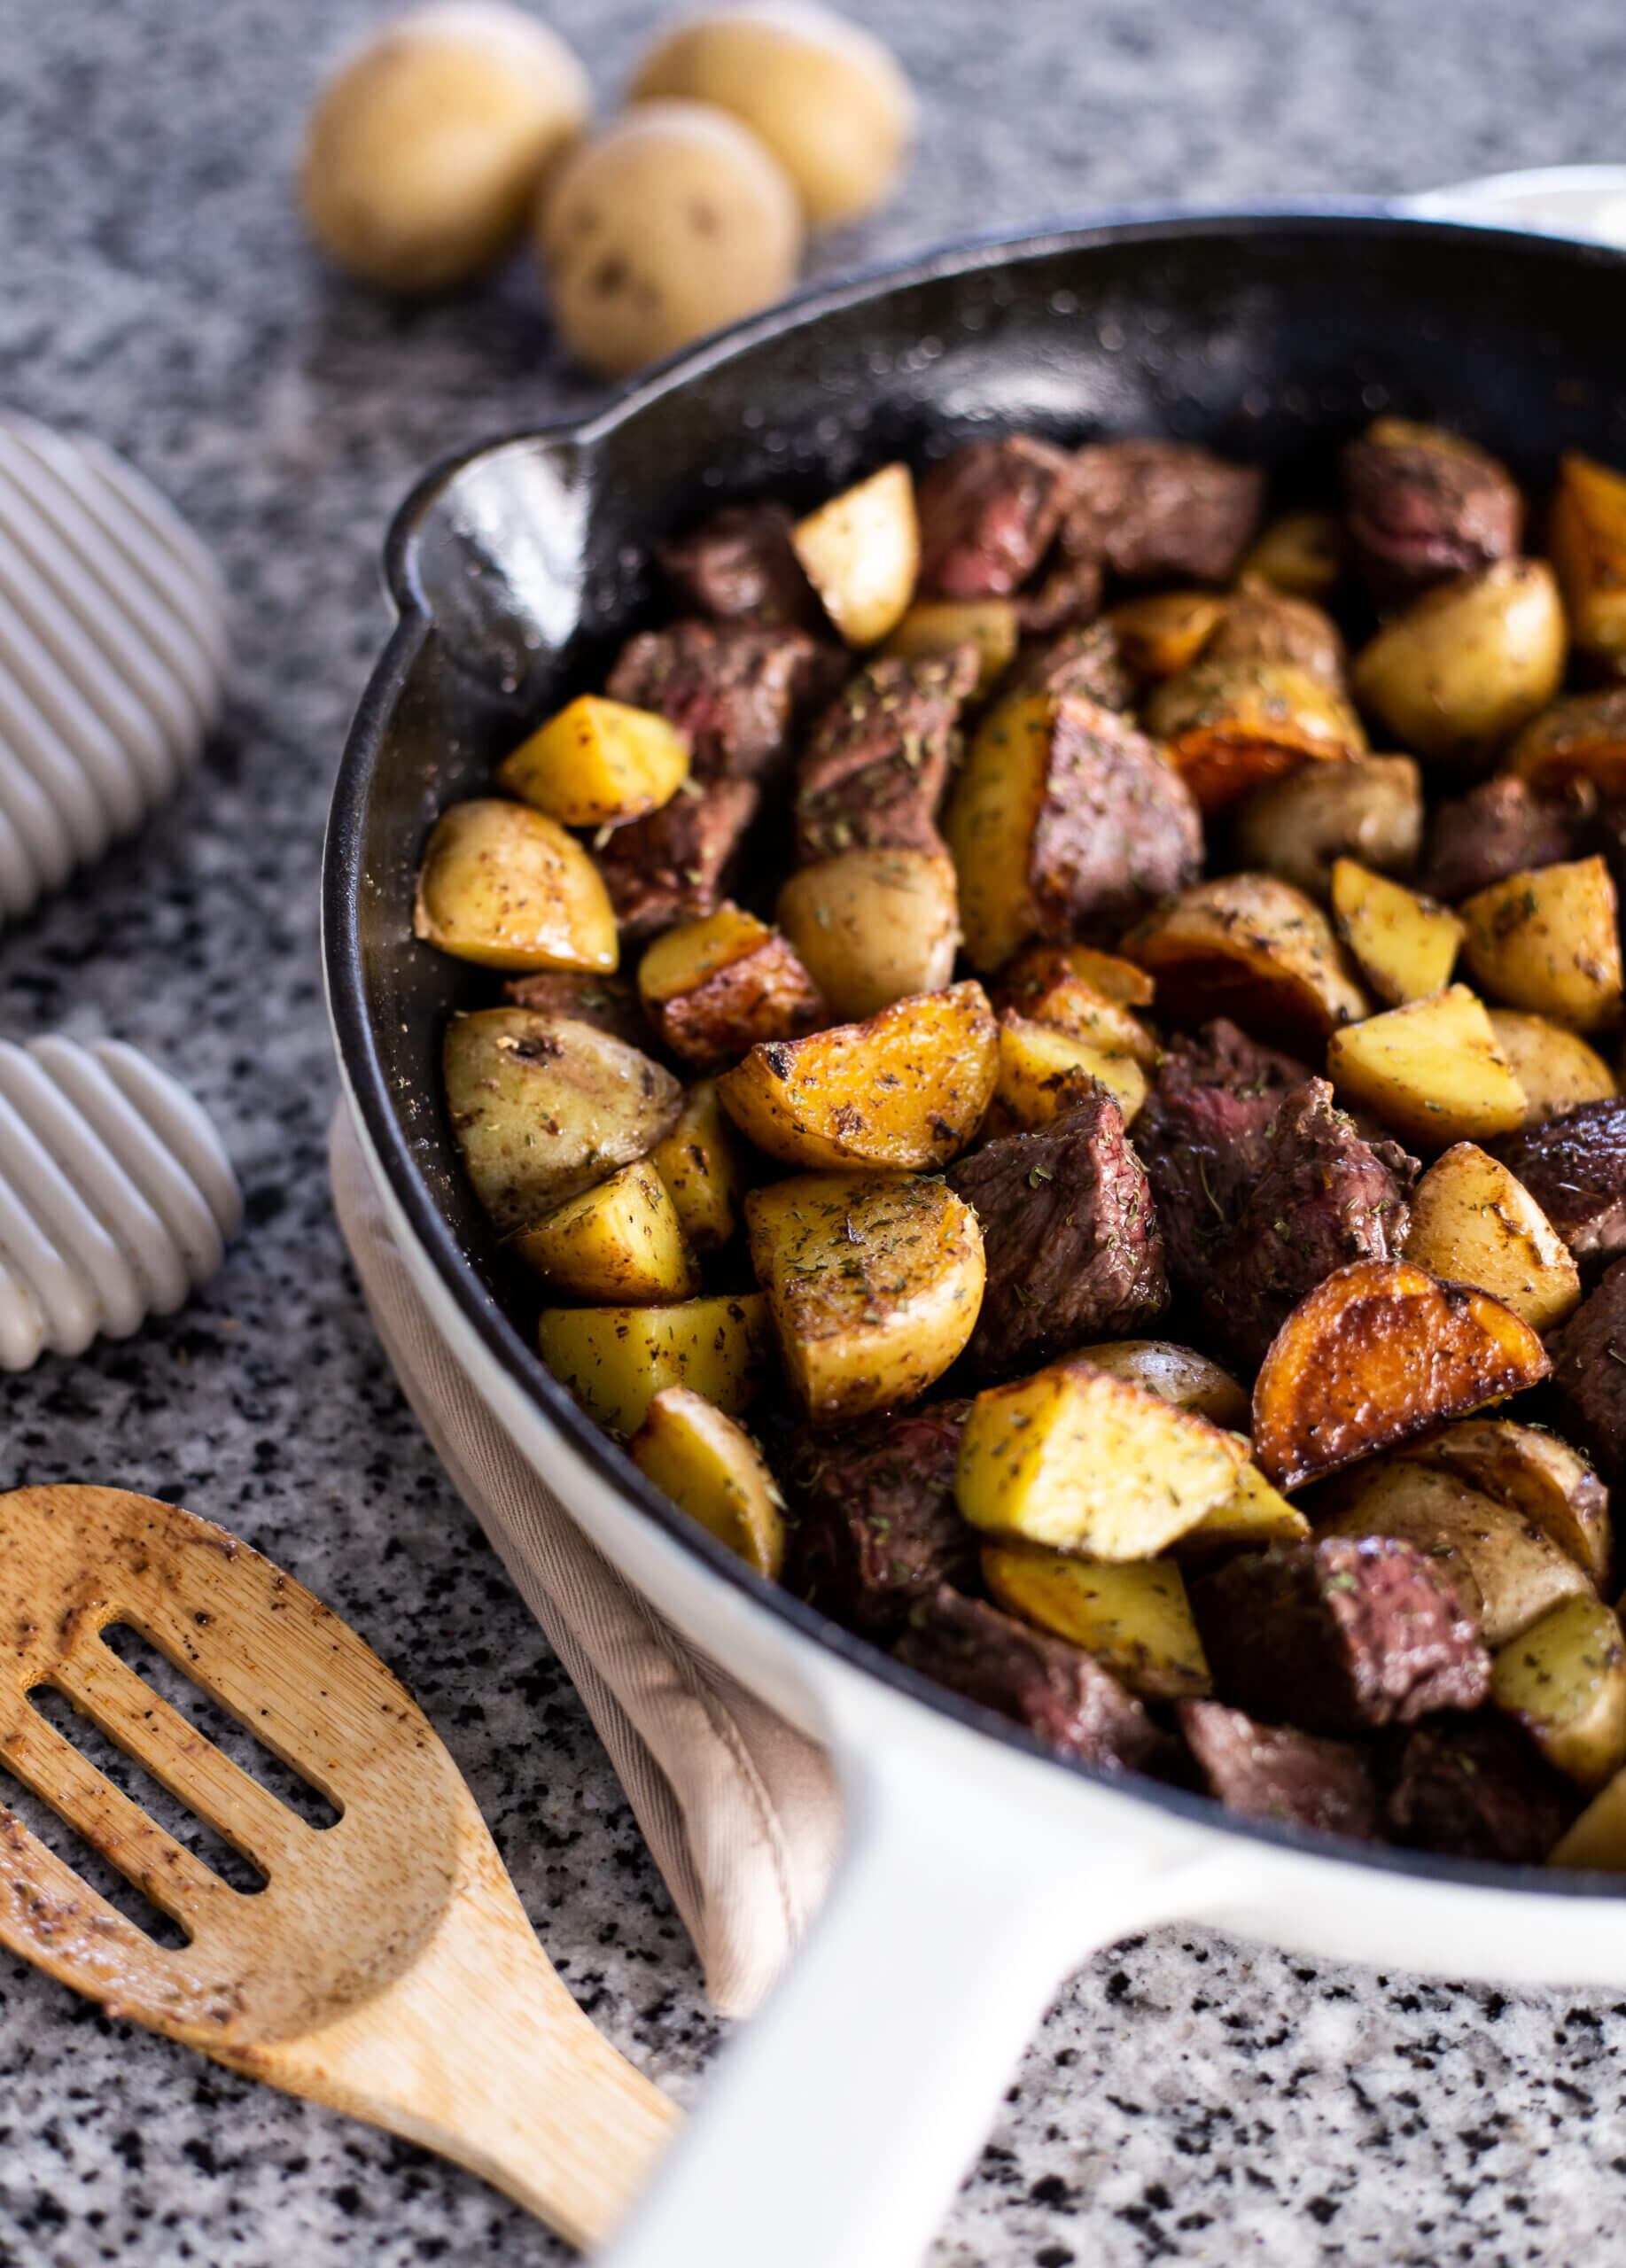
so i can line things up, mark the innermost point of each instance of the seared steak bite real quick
(878, 761)
(1087, 660)
(608, 1003)
(1157, 511)
(735, 688)
(987, 515)
(1068, 1236)
(1340, 1636)
(1272, 1772)
(674, 865)
(1424, 506)
(1117, 831)
(875, 1528)
(1500, 828)
(1475, 1788)
(1575, 1167)
(1056, 1691)
(739, 566)
(1589, 1374)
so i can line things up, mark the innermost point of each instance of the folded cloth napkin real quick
(740, 1809)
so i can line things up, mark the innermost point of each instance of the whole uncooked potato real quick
(424, 148)
(829, 99)
(671, 222)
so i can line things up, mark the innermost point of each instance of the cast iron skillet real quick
(516, 570)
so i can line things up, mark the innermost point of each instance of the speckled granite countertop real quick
(1186, 2101)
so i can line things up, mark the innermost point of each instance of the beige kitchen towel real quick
(740, 1809)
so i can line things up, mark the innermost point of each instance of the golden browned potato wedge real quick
(873, 926)
(598, 761)
(1580, 738)
(1043, 1071)
(938, 625)
(620, 1245)
(1163, 633)
(1549, 940)
(1472, 1222)
(1468, 662)
(616, 1360)
(1432, 1070)
(1177, 1374)
(1379, 1352)
(1248, 946)
(1586, 537)
(715, 988)
(1564, 1680)
(1228, 725)
(873, 1282)
(1077, 1459)
(904, 1090)
(1597, 1842)
(1043, 984)
(704, 1169)
(714, 1471)
(1402, 943)
(1556, 1068)
(1115, 979)
(544, 1107)
(1255, 1514)
(1534, 1474)
(505, 886)
(861, 553)
(1301, 552)
(1135, 1617)
(1370, 809)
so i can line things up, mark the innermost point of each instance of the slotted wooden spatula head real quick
(386, 1968)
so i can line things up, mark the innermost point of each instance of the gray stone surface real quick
(1187, 2100)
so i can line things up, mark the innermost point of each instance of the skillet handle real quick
(836, 2125)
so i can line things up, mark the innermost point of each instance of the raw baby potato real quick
(1534, 1474)
(620, 1243)
(1252, 1517)
(1134, 1617)
(1433, 1070)
(714, 1470)
(826, 97)
(1473, 1222)
(506, 886)
(714, 987)
(1564, 1680)
(904, 1091)
(1250, 947)
(1549, 941)
(873, 1282)
(615, 1360)
(1163, 633)
(1468, 662)
(1369, 808)
(1229, 725)
(1580, 738)
(873, 925)
(671, 222)
(544, 1107)
(938, 625)
(861, 553)
(1586, 537)
(1082, 1461)
(425, 148)
(1379, 1352)
(700, 1163)
(1177, 1374)
(1555, 1067)
(1404, 944)
(596, 762)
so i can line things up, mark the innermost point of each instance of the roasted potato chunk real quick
(1134, 1617)
(1177, 1374)
(505, 886)
(1077, 1459)
(712, 1469)
(620, 1245)
(902, 1091)
(1229, 725)
(701, 1164)
(1301, 554)
(1043, 984)
(1370, 808)
(1597, 1842)
(1402, 943)
(1472, 1222)
(1564, 1680)
(1534, 1474)
(1581, 739)
(616, 1360)
(861, 553)
(598, 761)
(1549, 940)
(1379, 1352)
(938, 625)
(543, 1107)
(874, 926)
(1468, 662)
(1252, 948)
(714, 988)
(1116, 980)
(1432, 1070)
(874, 1283)
(1556, 1068)
(1261, 624)
(1253, 1516)
(1586, 539)
(1163, 633)
(1042, 1071)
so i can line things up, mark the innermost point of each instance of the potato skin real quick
(506, 887)
(1248, 946)
(1467, 663)
(1541, 1478)
(616, 1360)
(1177, 1374)
(1370, 808)
(1564, 1680)
(874, 926)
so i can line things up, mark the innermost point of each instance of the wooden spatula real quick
(387, 1967)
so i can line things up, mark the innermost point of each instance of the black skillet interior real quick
(519, 568)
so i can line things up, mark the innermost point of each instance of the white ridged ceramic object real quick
(112, 655)
(116, 1195)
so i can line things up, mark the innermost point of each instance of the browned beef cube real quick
(1068, 591)
(1589, 1374)
(1059, 1692)
(1325, 1196)
(874, 1526)
(1155, 510)
(1423, 507)
(1117, 828)
(674, 865)
(1336, 1636)
(1474, 1787)
(739, 566)
(735, 688)
(1575, 1167)
(1069, 1236)
(1087, 660)
(608, 1003)
(987, 515)
(879, 759)
(1500, 828)
(1273, 1772)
